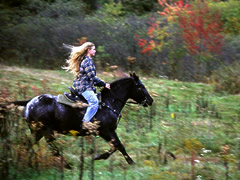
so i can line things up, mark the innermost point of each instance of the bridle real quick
(116, 98)
(140, 87)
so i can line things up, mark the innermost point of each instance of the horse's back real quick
(46, 110)
(41, 106)
(54, 115)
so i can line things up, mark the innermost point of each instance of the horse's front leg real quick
(121, 148)
(115, 144)
(106, 154)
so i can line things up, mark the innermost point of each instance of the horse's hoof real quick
(97, 157)
(131, 162)
(101, 156)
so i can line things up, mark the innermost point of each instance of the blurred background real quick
(187, 53)
(32, 33)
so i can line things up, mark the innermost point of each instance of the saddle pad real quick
(63, 100)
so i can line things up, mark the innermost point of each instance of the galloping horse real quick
(45, 115)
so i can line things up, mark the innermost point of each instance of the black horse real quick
(45, 115)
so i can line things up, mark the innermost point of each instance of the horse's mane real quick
(119, 81)
(116, 83)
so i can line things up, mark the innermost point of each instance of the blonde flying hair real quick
(76, 56)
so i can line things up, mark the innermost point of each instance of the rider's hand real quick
(107, 85)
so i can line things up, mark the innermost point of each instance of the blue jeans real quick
(92, 100)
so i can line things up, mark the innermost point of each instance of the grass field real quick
(189, 120)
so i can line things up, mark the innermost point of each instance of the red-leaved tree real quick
(201, 27)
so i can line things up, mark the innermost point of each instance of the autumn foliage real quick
(157, 35)
(200, 27)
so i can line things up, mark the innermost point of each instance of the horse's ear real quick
(131, 75)
(135, 76)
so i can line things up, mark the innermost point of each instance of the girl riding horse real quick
(80, 63)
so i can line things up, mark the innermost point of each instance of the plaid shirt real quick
(87, 77)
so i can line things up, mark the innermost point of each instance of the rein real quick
(102, 104)
(113, 110)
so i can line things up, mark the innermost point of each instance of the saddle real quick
(73, 96)
(75, 100)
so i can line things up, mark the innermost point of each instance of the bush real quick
(35, 39)
(230, 15)
(227, 79)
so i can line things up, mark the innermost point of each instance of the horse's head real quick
(139, 93)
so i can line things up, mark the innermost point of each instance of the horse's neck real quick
(118, 95)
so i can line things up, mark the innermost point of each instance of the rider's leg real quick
(93, 105)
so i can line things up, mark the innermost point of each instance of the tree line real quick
(32, 33)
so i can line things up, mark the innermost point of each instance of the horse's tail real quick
(18, 103)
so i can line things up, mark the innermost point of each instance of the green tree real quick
(230, 15)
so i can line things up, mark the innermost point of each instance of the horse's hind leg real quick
(50, 138)
(37, 135)
(36, 130)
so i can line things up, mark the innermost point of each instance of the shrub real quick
(227, 79)
(230, 15)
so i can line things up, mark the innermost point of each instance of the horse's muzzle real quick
(148, 102)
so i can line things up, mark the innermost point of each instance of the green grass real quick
(182, 112)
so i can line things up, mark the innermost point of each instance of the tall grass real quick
(188, 121)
